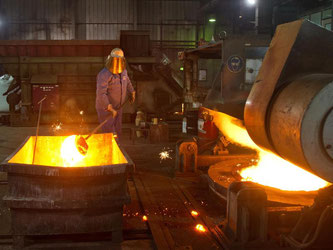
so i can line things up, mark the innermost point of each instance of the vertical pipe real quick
(161, 25)
(332, 17)
(187, 74)
(195, 74)
(135, 14)
(37, 129)
(188, 77)
(81, 26)
(257, 18)
(75, 13)
(204, 28)
(196, 33)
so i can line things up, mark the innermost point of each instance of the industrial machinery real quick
(240, 60)
(289, 112)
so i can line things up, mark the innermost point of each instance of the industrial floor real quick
(155, 192)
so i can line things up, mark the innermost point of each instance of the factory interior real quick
(166, 124)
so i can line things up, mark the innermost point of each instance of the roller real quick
(290, 107)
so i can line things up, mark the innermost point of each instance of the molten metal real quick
(271, 170)
(81, 145)
(194, 213)
(200, 228)
(61, 151)
(69, 152)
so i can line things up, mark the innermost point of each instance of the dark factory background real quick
(226, 141)
(67, 42)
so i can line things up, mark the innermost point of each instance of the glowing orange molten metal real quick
(194, 213)
(270, 170)
(69, 152)
(200, 228)
(61, 151)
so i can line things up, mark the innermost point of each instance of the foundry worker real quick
(113, 87)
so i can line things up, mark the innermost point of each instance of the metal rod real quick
(101, 124)
(37, 129)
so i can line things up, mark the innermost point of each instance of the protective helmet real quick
(116, 61)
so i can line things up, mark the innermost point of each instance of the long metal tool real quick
(37, 129)
(81, 142)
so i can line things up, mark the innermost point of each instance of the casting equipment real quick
(52, 197)
(289, 109)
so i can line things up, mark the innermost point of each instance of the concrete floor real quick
(171, 211)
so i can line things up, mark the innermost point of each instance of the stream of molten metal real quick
(270, 170)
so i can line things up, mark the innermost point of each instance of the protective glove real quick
(112, 110)
(132, 97)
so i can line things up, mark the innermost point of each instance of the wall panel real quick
(97, 19)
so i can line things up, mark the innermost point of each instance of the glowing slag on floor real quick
(200, 228)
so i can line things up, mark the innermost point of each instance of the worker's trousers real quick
(113, 125)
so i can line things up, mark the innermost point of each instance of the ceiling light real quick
(251, 2)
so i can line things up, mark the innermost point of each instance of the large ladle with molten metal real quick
(81, 142)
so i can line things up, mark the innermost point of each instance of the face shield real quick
(117, 65)
(116, 61)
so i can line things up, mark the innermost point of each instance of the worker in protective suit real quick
(113, 87)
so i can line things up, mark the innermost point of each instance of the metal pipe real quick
(195, 72)
(37, 129)
(187, 74)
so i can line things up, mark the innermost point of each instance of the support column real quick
(195, 76)
(257, 18)
(188, 74)
(80, 30)
(332, 17)
(135, 14)
(188, 78)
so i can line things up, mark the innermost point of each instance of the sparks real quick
(81, 112)
(57, 126)
(194, 213)
(200, 228)
(165, 154)
(144, 218)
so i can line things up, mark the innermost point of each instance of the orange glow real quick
(194, 213)
(144, 218)
(270, 170)
(61, 151)
(274, 171)
(116, 65)
(69, 152)
(200, 228)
